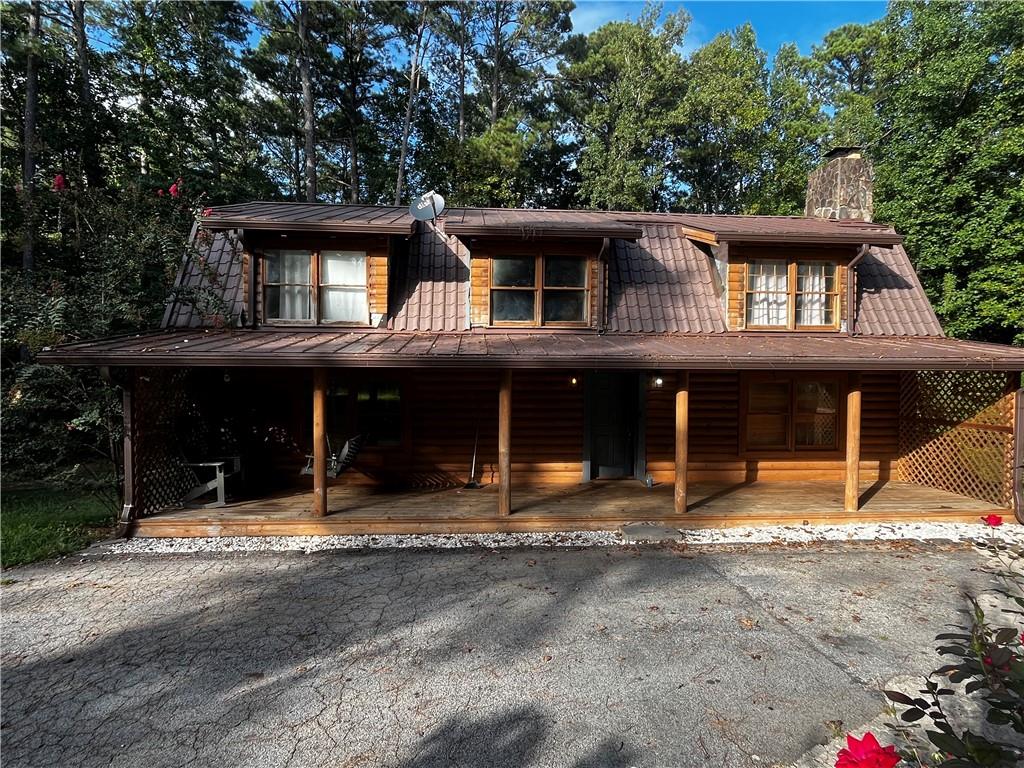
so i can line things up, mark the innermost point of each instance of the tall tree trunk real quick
(496, 66)
(307, 102)
(352, 102)
(82, 52)
(89, 159)
(353, 166)
(28, 168)
(415, 64)
(297, 169)
(462, 89)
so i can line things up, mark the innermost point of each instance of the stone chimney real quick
(842, 187)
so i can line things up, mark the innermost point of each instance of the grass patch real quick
(39, 524)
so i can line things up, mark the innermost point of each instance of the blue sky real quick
(803, 23)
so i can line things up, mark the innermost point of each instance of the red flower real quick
(160, 193)
(866, 753)
(207, 211)
(994, 520)
(59, 184)
(174, 190)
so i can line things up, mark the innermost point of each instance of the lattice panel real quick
(160, 405)
(956, 433)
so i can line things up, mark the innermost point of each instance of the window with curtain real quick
(767, 293)
(315, 286)
(343, 287)
(539, 289)
(790, 294)
(791, 413)
(815, 292)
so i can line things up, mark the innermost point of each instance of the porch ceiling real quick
(551, 349)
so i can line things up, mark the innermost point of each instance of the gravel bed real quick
(789, 534)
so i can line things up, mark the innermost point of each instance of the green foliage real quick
(40, 524)
(950, 168)
(792, 142)
(725, 111)
(623, 88)
(491, 165)
(844, 76)
(105, 266)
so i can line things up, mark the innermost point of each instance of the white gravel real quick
(788, 534)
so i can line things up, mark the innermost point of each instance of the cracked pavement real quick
(524, 657)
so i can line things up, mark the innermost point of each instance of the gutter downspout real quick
(851, 294)
(602, 284)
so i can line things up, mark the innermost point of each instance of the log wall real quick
(444, 412)
(739, 255)
(715, 434)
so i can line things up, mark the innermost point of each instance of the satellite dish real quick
(427, 207)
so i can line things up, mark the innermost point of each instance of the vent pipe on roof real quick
(842, 188)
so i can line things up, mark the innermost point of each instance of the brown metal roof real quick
(208, 289)
(490, 349)
(432, 288)
(793, 229)
(891, 300)
(536, 223)
(662, 284)
(310, 217)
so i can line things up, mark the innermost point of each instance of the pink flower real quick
(59, 184)
(866, 753)
(207, 211)
(993, 520)
(160, 193)
(174, 190)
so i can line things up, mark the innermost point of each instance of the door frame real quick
(639, 428)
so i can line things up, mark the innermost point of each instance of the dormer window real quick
(785, 294)
(539, 289)
(315, 287)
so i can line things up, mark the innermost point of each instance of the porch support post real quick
(853, 402)
(131, 506)
(682, 438)
(505, 444)
(319, 442)
(1017, 472)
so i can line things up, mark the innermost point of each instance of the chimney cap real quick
(852, 151)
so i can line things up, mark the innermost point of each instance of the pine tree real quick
(622, 89)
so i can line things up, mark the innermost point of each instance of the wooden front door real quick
(613, 424)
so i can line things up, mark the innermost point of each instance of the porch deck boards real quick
(602, 505)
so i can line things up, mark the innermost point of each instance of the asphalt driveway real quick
(596, 657)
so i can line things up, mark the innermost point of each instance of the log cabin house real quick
(555, 370)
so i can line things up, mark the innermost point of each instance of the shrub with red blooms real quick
(986, 669)
(866, 753)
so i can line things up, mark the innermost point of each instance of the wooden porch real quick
(598, 505)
